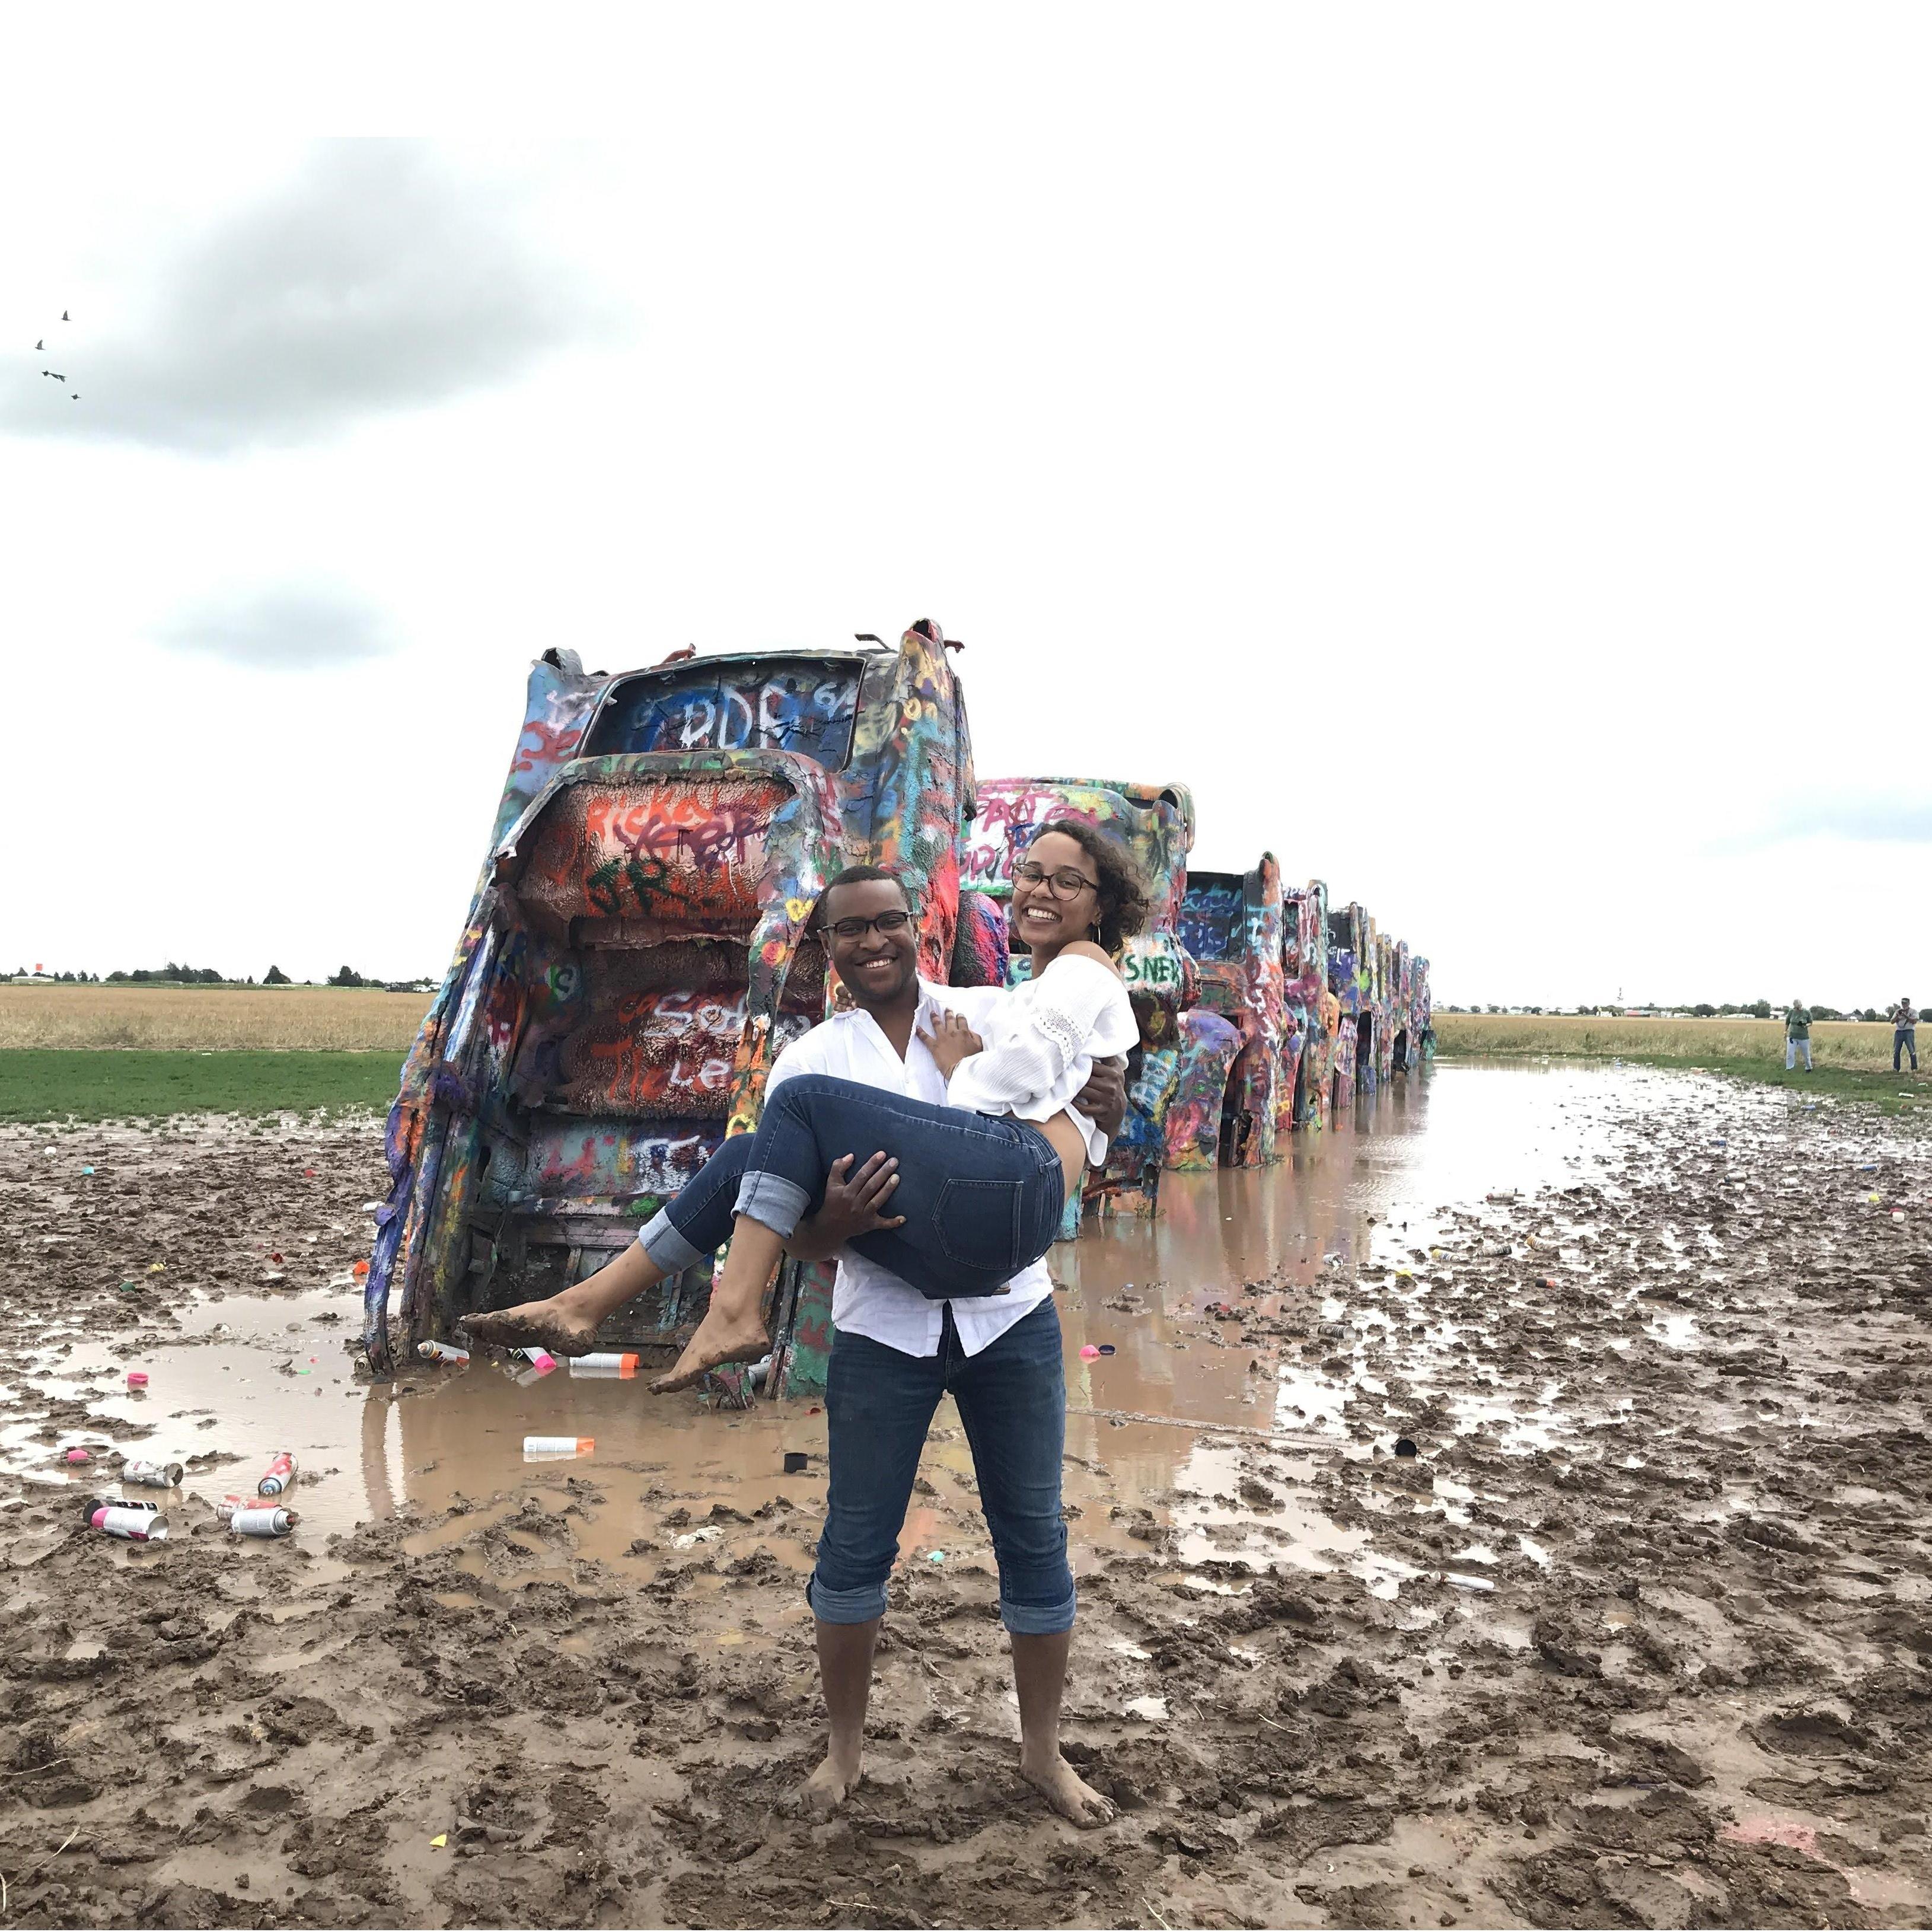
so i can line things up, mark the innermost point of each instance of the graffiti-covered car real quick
(1227, 1106)
(1352, 980)
(1155, 824)
(637, 951)
(1312, 1013)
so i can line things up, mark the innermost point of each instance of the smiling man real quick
(894, 1355)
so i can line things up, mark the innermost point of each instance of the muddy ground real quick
(1642, 1635)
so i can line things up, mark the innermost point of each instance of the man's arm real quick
(1104, 1098)
(854, 1203)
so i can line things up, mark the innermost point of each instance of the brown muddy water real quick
(1640, 1634)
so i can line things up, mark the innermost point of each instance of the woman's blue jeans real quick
(981, 1193)
(879, 1403)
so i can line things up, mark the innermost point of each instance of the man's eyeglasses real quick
(857, 928)
(1064, 884)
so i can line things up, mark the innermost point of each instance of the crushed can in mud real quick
(442, 1351)
(279, 1475)
(132, 1522)
(542, 1447)
(153, 1475)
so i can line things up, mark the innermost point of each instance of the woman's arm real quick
(1063, 1008)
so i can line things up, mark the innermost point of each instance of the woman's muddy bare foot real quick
(718, 1338)
(1070, 1796)
(553, 1325)
(824, 1791)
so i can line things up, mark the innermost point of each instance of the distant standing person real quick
(1904, 1033)
(1797, 1034)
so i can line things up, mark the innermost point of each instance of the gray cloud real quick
(283, 627)
(374, 281)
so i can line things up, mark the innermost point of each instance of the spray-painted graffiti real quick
(797, 704)
(638, 953)
(638, 950)
(1233, 924)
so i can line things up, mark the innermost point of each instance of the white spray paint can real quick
(442, 1351)
(251, 1522)
(153, 1475)
(131, 1523)
(559, 1445)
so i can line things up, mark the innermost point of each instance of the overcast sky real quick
(1482, 451)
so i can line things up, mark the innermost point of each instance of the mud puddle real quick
(1639, 1634)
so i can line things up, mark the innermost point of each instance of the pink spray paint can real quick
(279, 1475)
(132, 1522)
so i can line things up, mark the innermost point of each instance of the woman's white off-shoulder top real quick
(1041, 1043)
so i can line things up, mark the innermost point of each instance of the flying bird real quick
(57, 378)
(63, 315)
(42, 344)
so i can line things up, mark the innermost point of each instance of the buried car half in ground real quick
(637, 952)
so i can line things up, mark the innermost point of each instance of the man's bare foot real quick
(824, 1791)
(1057, 1781)
(552, 1324)
(717, 1339)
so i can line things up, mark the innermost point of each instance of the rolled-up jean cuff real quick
(1037, 1619)
(845, 1606)
(773, 1201)
(660, 1239)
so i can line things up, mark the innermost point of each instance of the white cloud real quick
(374, 280)
(282, 627)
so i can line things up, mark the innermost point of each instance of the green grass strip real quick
(46, 1084)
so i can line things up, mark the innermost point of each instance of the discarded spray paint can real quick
(442, 1351)
(558, 1445)
(102, 1502)
(621, 1367)
(154, 1475)
(252, 1522)
(137, 1378)
(541, 1360)
(78, 1456)
(132, 1522)
(279, 1475)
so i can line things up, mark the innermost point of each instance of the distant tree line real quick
(175, 973)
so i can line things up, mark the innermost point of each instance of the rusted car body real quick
(1312, 1013)
(636, 953)
(1228, 1103)
(1155, 824)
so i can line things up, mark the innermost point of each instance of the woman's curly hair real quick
(1124, 904)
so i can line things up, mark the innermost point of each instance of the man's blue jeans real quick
(1792, 1048)
(1905, 1039)
(980, 1193)
(879, 1403)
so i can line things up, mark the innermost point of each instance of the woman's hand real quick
(952, 1041)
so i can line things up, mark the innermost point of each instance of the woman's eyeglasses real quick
(1064, 884)
(857, 928)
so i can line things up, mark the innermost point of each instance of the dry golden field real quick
(1846, 1043)
(260, 1018)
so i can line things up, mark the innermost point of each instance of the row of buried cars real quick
(639, 949)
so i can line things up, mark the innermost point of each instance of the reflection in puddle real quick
(1192, 1442)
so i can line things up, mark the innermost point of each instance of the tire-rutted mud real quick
(1641, 1636)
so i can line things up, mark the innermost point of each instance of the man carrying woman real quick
(983, 1107)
